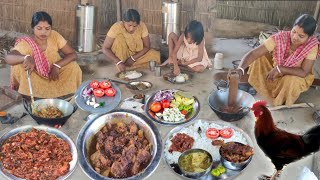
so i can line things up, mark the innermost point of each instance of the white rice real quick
(201, 141)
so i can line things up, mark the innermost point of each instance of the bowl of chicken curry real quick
(121, 144)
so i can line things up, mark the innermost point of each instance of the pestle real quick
(233, 78)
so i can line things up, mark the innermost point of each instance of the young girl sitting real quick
(188, 49)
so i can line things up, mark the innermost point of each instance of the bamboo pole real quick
(316, 12)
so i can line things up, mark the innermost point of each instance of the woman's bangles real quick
(242, 70)
(119, 62)
(278, 69)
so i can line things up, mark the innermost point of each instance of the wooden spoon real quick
(33, 110)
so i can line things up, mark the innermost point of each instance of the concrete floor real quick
(294, 120)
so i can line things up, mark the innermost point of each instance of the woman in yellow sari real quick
(281, 68)
(127, 43)
(51, 75)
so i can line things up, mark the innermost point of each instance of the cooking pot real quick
(49, 130)
(218, 99)
(92, 126)
(66, 107)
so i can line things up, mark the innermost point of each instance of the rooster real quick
(280, 146)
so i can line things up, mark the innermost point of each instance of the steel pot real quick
(218, 99)
(92, 126)
(48, 130)
(66, 107)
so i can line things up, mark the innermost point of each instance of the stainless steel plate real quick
(230, 174)
(94, 125)
(128, 79)
(192, 116)
(170, 77)
(110, 102)
(49, 130)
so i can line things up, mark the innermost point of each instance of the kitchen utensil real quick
(110, 102)
(218, 99)
(190, 116)
(31, 94)
(213, 122)
(49, 130)
(152, 65)
(195, 175)
(157, 71)
(93, 125)
(125, 83)
(67, 109)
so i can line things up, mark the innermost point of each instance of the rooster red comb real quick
(259, 103)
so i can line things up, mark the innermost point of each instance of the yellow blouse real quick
(133, 41)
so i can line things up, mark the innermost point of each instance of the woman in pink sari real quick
(38, 54)
(281, 68)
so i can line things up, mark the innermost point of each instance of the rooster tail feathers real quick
(312, 136)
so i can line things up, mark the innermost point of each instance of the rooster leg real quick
(264, 177)
(276, 175)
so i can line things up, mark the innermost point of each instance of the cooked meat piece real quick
(121, 127)
(181, 142)
(104, 130)
(106, 172)
(135, 168)
(119, 168)
(133, 128)
(143, 156)
(217, 142)
(129, 152)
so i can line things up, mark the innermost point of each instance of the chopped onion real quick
(164, 95)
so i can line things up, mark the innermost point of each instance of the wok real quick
(218, 99)
(66, 107)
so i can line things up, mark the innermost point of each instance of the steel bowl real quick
(236, 63)
(92, 126)
(66, 107)
(218, 99)
(49, 130)
(234, 165)
(195, 175)
(133, 89)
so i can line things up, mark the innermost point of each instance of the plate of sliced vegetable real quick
(98, 96)
(172, 107)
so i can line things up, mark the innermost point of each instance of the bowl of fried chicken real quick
(121, 144)
(235, 155)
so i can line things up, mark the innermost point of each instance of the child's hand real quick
(176, 70)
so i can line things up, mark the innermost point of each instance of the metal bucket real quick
(86, 28)
(171, 15)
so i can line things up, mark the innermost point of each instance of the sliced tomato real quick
(212, 133)
(226, 133)
(165, 103)
(184, 112)
(98, 92)
(155, 106)
(110, 92)
(104, 84)
(94, 84)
